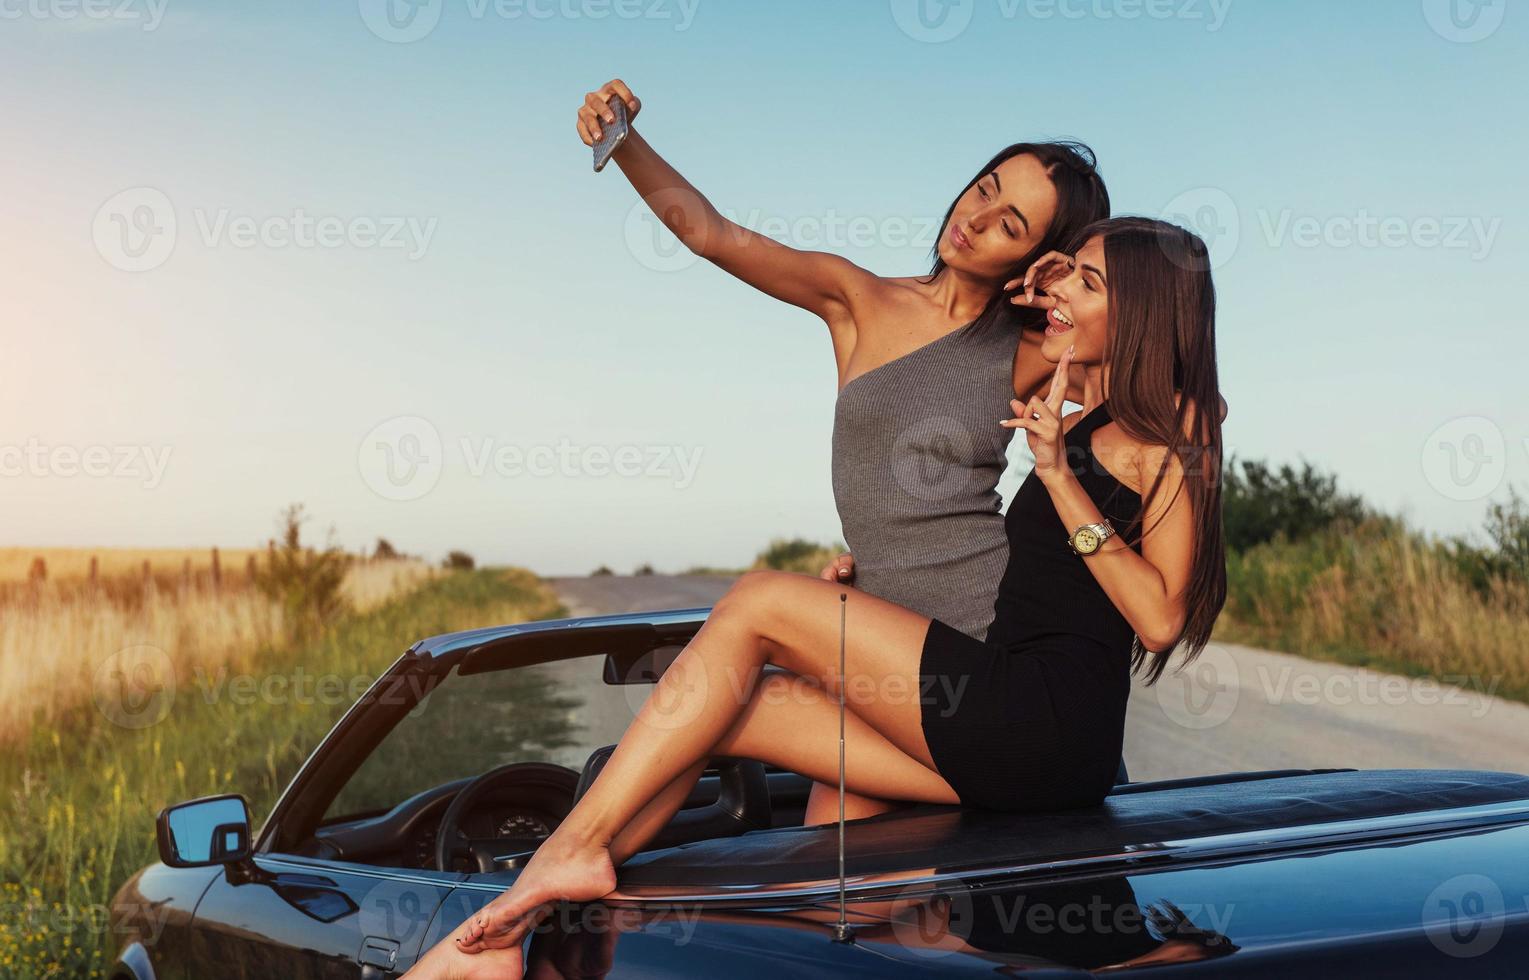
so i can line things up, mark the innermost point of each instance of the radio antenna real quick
(842, 931)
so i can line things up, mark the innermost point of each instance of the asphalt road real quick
(1236, 708)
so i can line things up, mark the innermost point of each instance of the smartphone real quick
(612, 135)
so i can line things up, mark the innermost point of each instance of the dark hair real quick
(1162, 316)
(1081, 200)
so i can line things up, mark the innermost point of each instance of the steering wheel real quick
(552, 786)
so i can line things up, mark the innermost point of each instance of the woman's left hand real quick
(1041, 418)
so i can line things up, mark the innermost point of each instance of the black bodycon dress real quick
(1034, 716)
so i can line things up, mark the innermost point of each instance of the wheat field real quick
(60, 643)
(73, 564)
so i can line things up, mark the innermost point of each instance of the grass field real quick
(83, 789)
(58, 641)
(1384, 597)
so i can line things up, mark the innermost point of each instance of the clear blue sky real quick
(523, 308)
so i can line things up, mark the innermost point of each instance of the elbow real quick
(1162, 635)
(705, 234)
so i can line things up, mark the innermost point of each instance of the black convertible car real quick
(434, 788)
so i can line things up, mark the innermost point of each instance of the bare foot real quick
(574, 871)
(446, 962)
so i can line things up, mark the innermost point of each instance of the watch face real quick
(1088, 540)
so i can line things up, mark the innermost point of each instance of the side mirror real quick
(200, 833)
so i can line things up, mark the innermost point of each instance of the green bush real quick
(306, 582)
(1505, 559)
(798, 555)
(1259, 504)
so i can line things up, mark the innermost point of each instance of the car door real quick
(299, 918)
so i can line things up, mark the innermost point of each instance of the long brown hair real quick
(1162, 315)
(1081, 200)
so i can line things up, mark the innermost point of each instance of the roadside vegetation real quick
(1317, 572)
(177, 692)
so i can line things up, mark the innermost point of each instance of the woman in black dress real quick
(1116, 562)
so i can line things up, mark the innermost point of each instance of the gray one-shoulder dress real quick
(917, 454)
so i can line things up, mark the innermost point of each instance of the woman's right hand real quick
(596, 109)
(841, 569)
(1046, 270)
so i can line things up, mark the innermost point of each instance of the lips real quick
(960, 240)
(1057, 323)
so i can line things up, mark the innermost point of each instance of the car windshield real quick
(556, 712)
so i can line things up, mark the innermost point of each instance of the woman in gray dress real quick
(926, 366)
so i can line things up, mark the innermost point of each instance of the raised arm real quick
(826, 284)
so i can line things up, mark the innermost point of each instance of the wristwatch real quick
(1088, 537)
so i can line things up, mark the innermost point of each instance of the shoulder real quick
(1153, 457)
(874, 301)
(1194, 411)
(866, 299)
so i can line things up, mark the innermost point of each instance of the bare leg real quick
(823, 805)
(656, 815)
(791, 620)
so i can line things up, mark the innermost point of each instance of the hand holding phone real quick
(612, 134)
(605, 119)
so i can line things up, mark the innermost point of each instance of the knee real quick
(752, 594)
